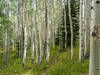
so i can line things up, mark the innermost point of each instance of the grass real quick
(59, 64)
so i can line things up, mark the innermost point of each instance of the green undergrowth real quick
(60, 63)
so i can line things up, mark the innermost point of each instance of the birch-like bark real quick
(16, 23)
(25, 45)
(71, 27)
(32, 46)
(36, 32)
(25, 32)
(94, 67)
(81, 33)
(87, 28)
(46, 29)
(40, 29)
(49, 20)
(92, 51)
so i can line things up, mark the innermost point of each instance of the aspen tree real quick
(94, 67)
(25, 32)
(81, 33)
(71, 27)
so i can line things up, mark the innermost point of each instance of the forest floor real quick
(59, 64)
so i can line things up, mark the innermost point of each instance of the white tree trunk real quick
(39, 8)
(32, 46)
(49, 20)
(47, 45)
(25, 45)
(16, 23)
(71, 27)
(46, 29)
(94, 67)
(25, 32)
(81, 32)
(87, 27)
(36, 32)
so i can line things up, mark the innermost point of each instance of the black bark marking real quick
(91, 7)
(94, 34)
(97, 1)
